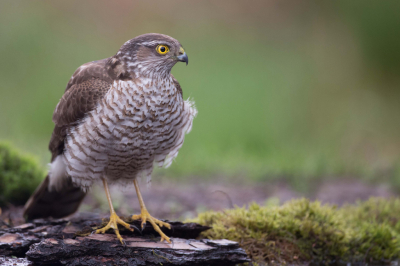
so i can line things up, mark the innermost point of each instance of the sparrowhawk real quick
(117, 118)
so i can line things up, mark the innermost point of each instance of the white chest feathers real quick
(134, 126)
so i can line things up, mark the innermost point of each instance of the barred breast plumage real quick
(138, 123)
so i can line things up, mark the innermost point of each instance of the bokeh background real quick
(289, 92)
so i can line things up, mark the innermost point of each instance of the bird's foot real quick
(113, 223)
(145, 216)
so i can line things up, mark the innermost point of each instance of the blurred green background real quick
(300, 90)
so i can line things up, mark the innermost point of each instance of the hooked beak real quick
(183, 58)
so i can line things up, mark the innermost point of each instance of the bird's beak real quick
(183, 56)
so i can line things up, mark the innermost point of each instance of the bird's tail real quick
(57, 204)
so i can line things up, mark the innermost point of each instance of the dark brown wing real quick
(86, 87)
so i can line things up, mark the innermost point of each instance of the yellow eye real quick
(162, 49)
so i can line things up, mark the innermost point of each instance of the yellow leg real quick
(145, 216)
(114, 219)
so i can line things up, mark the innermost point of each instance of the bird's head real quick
(151, 54)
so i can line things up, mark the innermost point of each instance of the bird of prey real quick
(117, 118)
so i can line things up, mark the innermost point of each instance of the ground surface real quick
(172, 200)
(181, 200)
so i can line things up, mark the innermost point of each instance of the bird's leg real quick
(145, 216)
(114, 219)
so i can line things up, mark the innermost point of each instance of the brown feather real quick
(86, 87)
(57, 204)
(178, 86)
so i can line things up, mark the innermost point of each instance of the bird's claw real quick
(145, 216)
(134, 227)
(113, 223)
(143, 225)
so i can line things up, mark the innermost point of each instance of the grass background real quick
(300, 90)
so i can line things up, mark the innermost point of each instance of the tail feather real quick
(57, 204)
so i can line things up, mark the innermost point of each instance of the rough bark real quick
(9, 261)
(69, 242)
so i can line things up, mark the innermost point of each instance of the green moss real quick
(377, 210)
(20, 174)
(301, 230)
(375, 228)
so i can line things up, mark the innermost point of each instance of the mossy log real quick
(70, 242)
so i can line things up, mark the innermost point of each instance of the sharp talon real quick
(123, 243)
(143, 225)
(134, 227)
(93, 232)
